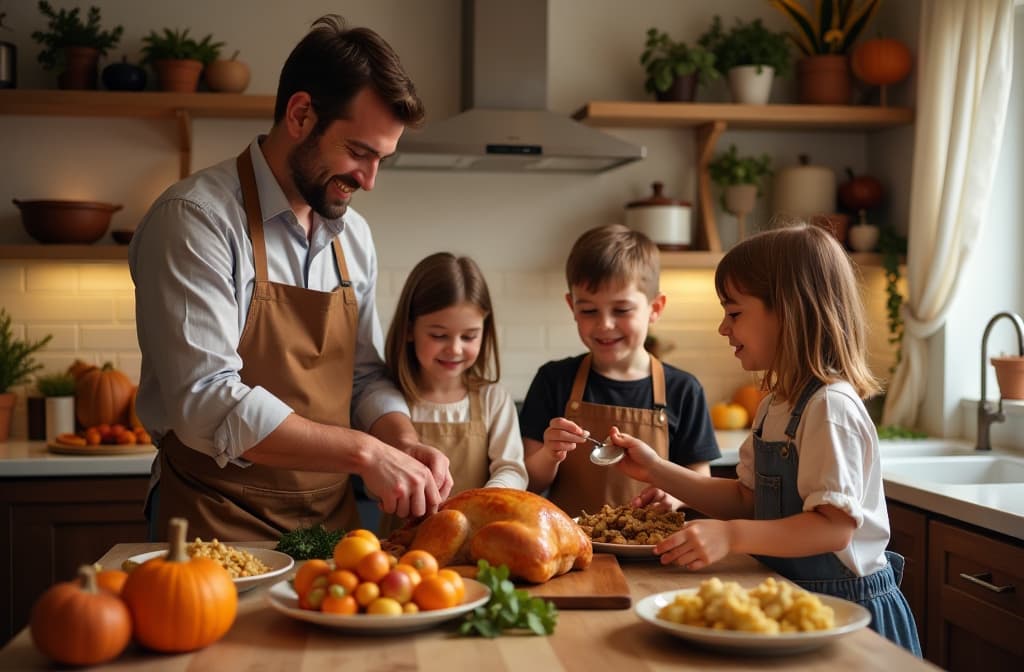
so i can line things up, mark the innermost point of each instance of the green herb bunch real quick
(665, 60)
(308, 543)
(177, 45)
(747, 44)
(16, 362)
(65, 28)
(56, 385)
(508, 608)
(893, 248)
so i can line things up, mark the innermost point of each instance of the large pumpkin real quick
(180, 603)
(102, 396)
(77, 623)
(881, 61)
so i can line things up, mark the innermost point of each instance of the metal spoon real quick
(604, 453)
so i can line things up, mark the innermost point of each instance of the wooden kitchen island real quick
(584, 640)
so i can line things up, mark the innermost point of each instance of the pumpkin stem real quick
(849, 171)
(87, 579)
(234, 55)
(178, 528)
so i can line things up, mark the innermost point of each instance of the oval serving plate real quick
(279, 563)
(645, 551)
(282, 597)
(850, 617)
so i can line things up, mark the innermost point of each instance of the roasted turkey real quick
(535, 538)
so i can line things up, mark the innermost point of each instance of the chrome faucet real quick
(985, 416)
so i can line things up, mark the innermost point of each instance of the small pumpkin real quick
(881, 61)
(749, 397)
(133, 417)
(102, 396)
(77, 623)
(860, 192)
(180, 603)
(111, 579)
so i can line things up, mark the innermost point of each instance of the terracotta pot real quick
(1010, 376)
(824, 80)
(178, 75)
(6, 411)
(683, 90)
(80, 65)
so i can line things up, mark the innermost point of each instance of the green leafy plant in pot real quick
(740, 178)
(751, 56)
(16, 365)
(674, 69)
(59, 404)
(824, 37)
(178, 59)
(74, 44)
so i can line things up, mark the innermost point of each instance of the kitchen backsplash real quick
(89, 308)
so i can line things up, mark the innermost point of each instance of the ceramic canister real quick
(804, 190)
(664, 220)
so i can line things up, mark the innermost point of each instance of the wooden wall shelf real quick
(708, 260)
(710, 120)
(178, 107)
(41, 252)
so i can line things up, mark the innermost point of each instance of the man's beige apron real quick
(581, 485)
(299, 344)
(465, 444)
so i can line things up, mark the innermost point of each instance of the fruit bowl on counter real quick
(66, 222)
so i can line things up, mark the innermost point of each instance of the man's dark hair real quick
(333, 63)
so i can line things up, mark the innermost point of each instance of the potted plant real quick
(74, 44)
(675, 68)
(177, 58)
(59, 392)
(824, 36)
(751, 56)
(740, 177)
(16, 365)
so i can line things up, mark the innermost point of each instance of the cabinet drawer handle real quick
(984, 580)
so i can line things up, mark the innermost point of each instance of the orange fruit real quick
(454, 578)
(366, 592)
(410, 608)
(111, 579)
(373, 566)
(350, 550)
(749, 397)
(365, 534)
(344, 578)
(346, 604)
(422, 561)
(384, 606)
(434, 592)
(728, 416)
(307, 573)
(413, 573)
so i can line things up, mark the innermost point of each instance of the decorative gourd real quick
(180, 603)
(881, 61)
(749, 397)
(78, 368)
(77, 623)
(860, 192)
(102, 396)
(111, 579)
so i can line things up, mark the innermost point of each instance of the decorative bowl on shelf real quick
(66, 222)
(122, 236)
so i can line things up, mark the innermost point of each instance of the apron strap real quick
(251, 200)
(339, 261)
(798, 410)
(580, 383)
(657, 381)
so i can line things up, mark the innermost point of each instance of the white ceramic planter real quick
(60, 416)
(750, 87)
(863, 237)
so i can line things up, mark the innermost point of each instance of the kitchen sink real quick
(956, 469)
(923, 448)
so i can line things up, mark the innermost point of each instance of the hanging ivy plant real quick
(893, 248)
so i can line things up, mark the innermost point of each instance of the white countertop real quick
(20, 459)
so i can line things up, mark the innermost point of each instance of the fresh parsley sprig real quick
(307, 543)
(508, 608)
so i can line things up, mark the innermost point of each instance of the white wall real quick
(529, 221)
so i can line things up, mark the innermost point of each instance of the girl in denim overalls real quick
(808, 501)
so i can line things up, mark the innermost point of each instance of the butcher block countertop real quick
(584, 640)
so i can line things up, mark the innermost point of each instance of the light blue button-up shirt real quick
(192, 263)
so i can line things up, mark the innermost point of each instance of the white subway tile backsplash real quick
(116, 337)
(65, 336)
(50, 307)
(522, 336)
(12, 278)
(105, 278)
(51, 278)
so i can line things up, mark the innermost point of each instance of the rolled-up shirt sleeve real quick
(185, 271)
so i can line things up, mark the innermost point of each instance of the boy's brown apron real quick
(465, 444)
(299, 344)
(581, 485)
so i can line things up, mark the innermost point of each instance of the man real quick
(256, 316)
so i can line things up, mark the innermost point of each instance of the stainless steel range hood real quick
(506, 126)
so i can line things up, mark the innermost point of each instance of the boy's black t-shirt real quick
(691, 436)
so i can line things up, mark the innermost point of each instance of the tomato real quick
(350, 550)
(435, 592)
(307, 573)
(422, 561)
(373, 566)
(454, 578)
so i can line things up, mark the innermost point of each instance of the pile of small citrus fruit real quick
(362, 578)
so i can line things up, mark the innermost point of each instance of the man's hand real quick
(439, 465)
(403, 484)
(395, 429)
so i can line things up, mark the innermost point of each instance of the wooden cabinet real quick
(909, 537)
(976, 593)
(51, 526)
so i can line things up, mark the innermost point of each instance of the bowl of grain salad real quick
(249, 567)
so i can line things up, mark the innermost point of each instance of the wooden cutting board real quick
(102, 449)
(600, 586)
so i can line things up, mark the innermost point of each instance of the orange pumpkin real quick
(111, 579)
(133, 416)
(881, 61)
(749, 397)
(102, 396)
(180, 603)
(77, 623)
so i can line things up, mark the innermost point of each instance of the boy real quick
(612, 273)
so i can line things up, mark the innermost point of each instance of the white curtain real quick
(965, 67)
